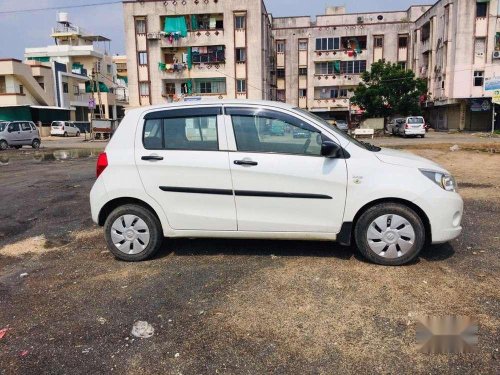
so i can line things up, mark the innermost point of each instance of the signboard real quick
(91, 103)
(496, 97)
(492, 84)
(480, 105)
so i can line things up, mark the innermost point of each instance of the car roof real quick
(202, 103)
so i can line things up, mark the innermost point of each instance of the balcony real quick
(325, 80)
(341, 103)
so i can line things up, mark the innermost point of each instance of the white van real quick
(215, 169)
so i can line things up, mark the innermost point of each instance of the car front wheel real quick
(390, 234)
(133, 233)
(4, 145)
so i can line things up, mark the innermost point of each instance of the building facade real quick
(235, 49)
(83, 70)
(456, 48)
(219, 49)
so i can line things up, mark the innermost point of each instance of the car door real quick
(26, 133)
(282, 183)
(183, 162)
(14, 136)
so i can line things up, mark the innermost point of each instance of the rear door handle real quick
(152, 157)
(245, 162)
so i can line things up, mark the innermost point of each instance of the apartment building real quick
(456, 48)
(319, 63)
(235, 49)
(27, 92)
(219, 49)
(79, 58)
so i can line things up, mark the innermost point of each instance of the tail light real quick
(407, 126)
(102, 163)
(62, 127)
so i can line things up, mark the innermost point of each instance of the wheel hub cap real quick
(390, 236)
(130, 234)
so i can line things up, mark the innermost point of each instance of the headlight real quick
(446, 181)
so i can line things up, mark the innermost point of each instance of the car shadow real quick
(282, 248)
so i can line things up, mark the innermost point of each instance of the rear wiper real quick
(370, 147)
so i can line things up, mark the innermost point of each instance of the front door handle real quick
(245, 162)
(152, 157)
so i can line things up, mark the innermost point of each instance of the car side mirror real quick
(330, 149)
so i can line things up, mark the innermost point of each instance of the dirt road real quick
(226, 306)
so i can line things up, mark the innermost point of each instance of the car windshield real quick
(2, 126)
(415, 120)
(340, 134)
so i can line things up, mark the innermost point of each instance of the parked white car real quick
(411, 126)
(64, 128)
(211, 169)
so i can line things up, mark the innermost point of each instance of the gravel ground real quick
(228, 306)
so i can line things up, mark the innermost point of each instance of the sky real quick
(33, 28)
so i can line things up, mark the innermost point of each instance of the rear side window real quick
(415, 120)
(25, 126)
(181, 133)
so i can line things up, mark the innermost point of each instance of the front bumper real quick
(444, 210)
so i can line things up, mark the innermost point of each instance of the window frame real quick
(240, 22)
(483, 8)
(327, 44)
(188, 112)
(240, 54)
(241, 86)
(405, 38)
(478, 74)
(273, 115)
(280, 46)
(137, 29)
(378, 41)
(139, 59)
(147, 85)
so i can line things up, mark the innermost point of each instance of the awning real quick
(176, 25)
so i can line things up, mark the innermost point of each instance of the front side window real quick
(181, 133)
(272, 132)
(14, 127)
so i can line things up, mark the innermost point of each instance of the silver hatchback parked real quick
(17, 134)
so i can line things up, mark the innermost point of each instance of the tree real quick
(387, 89)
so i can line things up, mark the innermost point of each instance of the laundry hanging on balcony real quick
(102, 87)
(336, 66)
(175, 28)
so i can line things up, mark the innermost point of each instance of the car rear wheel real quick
(65, 134)
(390, 234)
(35, 144)
(133, 233)
(3, 145)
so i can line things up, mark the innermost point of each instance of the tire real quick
(35, 144)
(401, 245)
(65, 134)
(140, 247)
(3, 145)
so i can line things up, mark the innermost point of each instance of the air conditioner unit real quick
(496, 54)
(153, 36)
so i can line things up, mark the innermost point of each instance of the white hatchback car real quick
(215, 169)
(64, 128)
